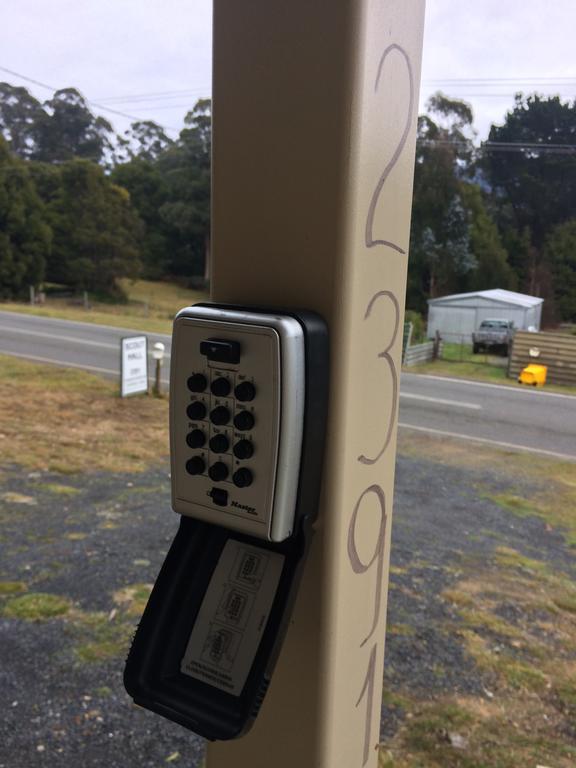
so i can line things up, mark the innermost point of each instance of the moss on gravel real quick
(99, 636)
(132, 599)
(58, 488)
(36, 606)
(11, 587)
(477, 733)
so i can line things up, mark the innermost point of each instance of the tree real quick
(96, 231)
(492, 269)
(560, 254)
(186, 170)
(22, 119)
(445, 249)
(440, 235)
(24, 235)
(145, 140)
(57, 130)
(539, 185)
(72, 130)
(148, 193)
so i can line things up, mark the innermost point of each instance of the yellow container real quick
(534, 375)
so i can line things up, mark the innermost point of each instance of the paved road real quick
(505, 416)
(509, 416)
(79, 345)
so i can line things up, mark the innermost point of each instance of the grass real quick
(459, 362)
(102, 639)
(515, 614)
(96, 636)
(36, 606)
(151, 307)
(69, 421)
(11, 587)
(59, 489)
(464, 732)
(528, 711)
(553, 500)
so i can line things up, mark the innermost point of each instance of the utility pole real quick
(315, 109)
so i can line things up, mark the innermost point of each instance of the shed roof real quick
(498, 295)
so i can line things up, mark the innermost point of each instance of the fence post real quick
(436, 350)
(315, 109)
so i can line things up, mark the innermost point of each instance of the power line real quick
(491, 80)
(158, 96)
(92, 103)
(507, 95)
(504, 146)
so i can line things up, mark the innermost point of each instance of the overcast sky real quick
(151, 58)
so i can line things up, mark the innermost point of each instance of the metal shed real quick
(456, 317)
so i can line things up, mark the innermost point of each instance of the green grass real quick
(11, 587)
(151, 307)
(113, 434)
(58, 489)
(36, 606)
(478, 371)
(516, 504)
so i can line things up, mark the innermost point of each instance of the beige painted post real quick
(315, 107)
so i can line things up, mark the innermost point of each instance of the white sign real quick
(134, 365)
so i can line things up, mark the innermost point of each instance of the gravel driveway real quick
(97, 541)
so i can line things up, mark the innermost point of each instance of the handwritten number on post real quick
(368, 689)
(385, 354)
(378, 557)
(369, 236)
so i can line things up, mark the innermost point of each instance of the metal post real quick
(315, 108)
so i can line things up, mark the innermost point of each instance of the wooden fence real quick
(557, 351)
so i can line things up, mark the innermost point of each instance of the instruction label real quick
(233, 616)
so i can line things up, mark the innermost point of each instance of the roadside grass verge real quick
(151, 306)
(478, 371)
(68, 421)
(463, 370)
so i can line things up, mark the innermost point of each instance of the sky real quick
(151, 59)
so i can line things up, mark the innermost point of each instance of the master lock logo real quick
(245, 507)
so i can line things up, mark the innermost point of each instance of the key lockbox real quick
(248, 402)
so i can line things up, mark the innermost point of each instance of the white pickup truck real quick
(493, 335)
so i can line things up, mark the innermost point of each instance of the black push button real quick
(197, 383)
(244, 421)
(220, 387)
(243, 449)
(219, 496)
(196, 438)
(219, 444)
(242, 478)
(218, 472)
(221, 351)
(220, 415)
(245, 392)
(195, 465)
(196, 411)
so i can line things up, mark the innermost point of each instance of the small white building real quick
(456, 317)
